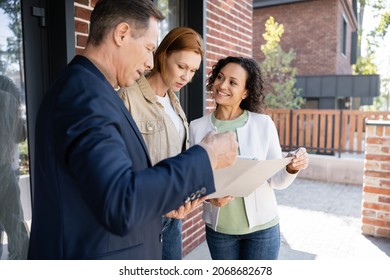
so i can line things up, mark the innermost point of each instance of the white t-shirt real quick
(168, 108)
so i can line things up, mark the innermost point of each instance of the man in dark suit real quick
(96, 195)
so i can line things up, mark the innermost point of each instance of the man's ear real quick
(120, 32)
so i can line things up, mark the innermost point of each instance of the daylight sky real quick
(4, 30)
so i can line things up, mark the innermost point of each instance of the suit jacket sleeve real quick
(99, 143)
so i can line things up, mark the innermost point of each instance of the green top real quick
(232, 217)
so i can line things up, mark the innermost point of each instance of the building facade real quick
(323, 34)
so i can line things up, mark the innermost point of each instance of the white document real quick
(242, 178)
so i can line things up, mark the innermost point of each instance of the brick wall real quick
(376, 182)
(313, 30)
(82, 13)
(228, 32)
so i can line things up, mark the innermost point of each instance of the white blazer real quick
(258, 138)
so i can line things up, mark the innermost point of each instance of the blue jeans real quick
(259, 245)
(171, 239)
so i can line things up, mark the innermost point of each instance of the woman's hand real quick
(220, 202)
(300, 160)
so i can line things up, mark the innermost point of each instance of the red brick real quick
(368, 213)
(79, 51)
(383, 216)
(378, 140)
(187, 224)
(368, 230)
(81, 26)
(382, 232)
(379, 130)
(81, 41)
(190, 230)
(377, 157)
(228, 29)
(374, 190)
(377, 174)
(376, 206)
(384, 199)
(82, 13)
(385, 150)
(372, 165)
(187, 241)
(93, 3)
(373, 222)
(384, 183)
(385, 166)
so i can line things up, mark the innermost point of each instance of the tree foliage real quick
(365, 64)
(279, 75)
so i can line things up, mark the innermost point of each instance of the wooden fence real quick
(323, 131)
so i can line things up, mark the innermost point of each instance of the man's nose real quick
(149, 63)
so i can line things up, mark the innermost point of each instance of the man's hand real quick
(186, 208)
(221, 147)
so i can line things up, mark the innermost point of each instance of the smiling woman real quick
(244, 227)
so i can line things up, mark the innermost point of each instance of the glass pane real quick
(171, 11)
(15, 202)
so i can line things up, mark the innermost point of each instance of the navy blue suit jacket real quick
(95, 195)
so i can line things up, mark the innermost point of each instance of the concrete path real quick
(320, 220)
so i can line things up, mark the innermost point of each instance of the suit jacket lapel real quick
(78, 59)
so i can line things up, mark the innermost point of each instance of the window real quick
(192, 14)
(171, 11)
(344, 37)
(15, 198)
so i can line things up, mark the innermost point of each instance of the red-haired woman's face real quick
(180, 68)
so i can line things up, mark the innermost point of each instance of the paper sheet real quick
(242, 178)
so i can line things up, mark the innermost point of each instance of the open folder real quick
(243, 177)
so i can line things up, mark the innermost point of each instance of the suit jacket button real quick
(203, 190)
(187, 199)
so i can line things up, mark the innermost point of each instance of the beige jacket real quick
(159, 132)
